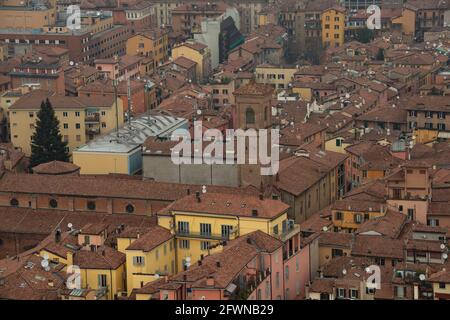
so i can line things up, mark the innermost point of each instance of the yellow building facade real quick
(333, 27)
(152, 44)
(199, 233)
(278, 77)
(80, 120)
(196, 52)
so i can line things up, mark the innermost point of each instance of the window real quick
(441, 115)
(277, 280)
(14, 202)
(102, 283)
(441, 285)
(138, 260)
(129, 208)
(413, 113)
(336, 253)
(65, 114)
(184, 244)
(226, 231)
(66, 126)
(338, 215)
(341, 292)
(275, 229)
(31, 114)
(429, 114)
(183, 227)
(91, 205)
(249, 116)
(103, 124)
(338, 142)
(77, 114)
(205, 229)
(441, 126)
(204, 245)
(286, 272)
(53, 203)
(353, 293)
(77, 126)
(399, 291)
(410, 213)
(358, 218)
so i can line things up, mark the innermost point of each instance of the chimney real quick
(261, 196)
(58, 235)
(254, 212)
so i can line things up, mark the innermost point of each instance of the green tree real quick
(46, 143)
(364, 35)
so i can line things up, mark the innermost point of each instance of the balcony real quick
(92, 131)
(92, 118)
(290, 231)
(246, 287)
(200, 235)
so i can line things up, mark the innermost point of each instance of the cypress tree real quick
(46, 143)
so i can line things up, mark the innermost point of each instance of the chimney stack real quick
(58, 235)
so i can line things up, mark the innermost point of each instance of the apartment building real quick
(80, 118)
(333, 25)
(428, 117)
(152, 43)
(278, 77)
(197, 52)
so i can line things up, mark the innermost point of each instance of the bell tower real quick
(253, 110)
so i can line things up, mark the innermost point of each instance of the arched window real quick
(53, 203)
(14, 202)
(129, 208)
(249, 116)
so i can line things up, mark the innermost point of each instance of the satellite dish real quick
(368, 270)
(69, 225)
(344, 272)
(71, 63)
(325, 229)
(442, 246)
(422, 277)
(199, 112)
(444, 256)
(203, 189)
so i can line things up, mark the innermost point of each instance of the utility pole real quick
(115, 84)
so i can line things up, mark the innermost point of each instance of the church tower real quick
(253, 111)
